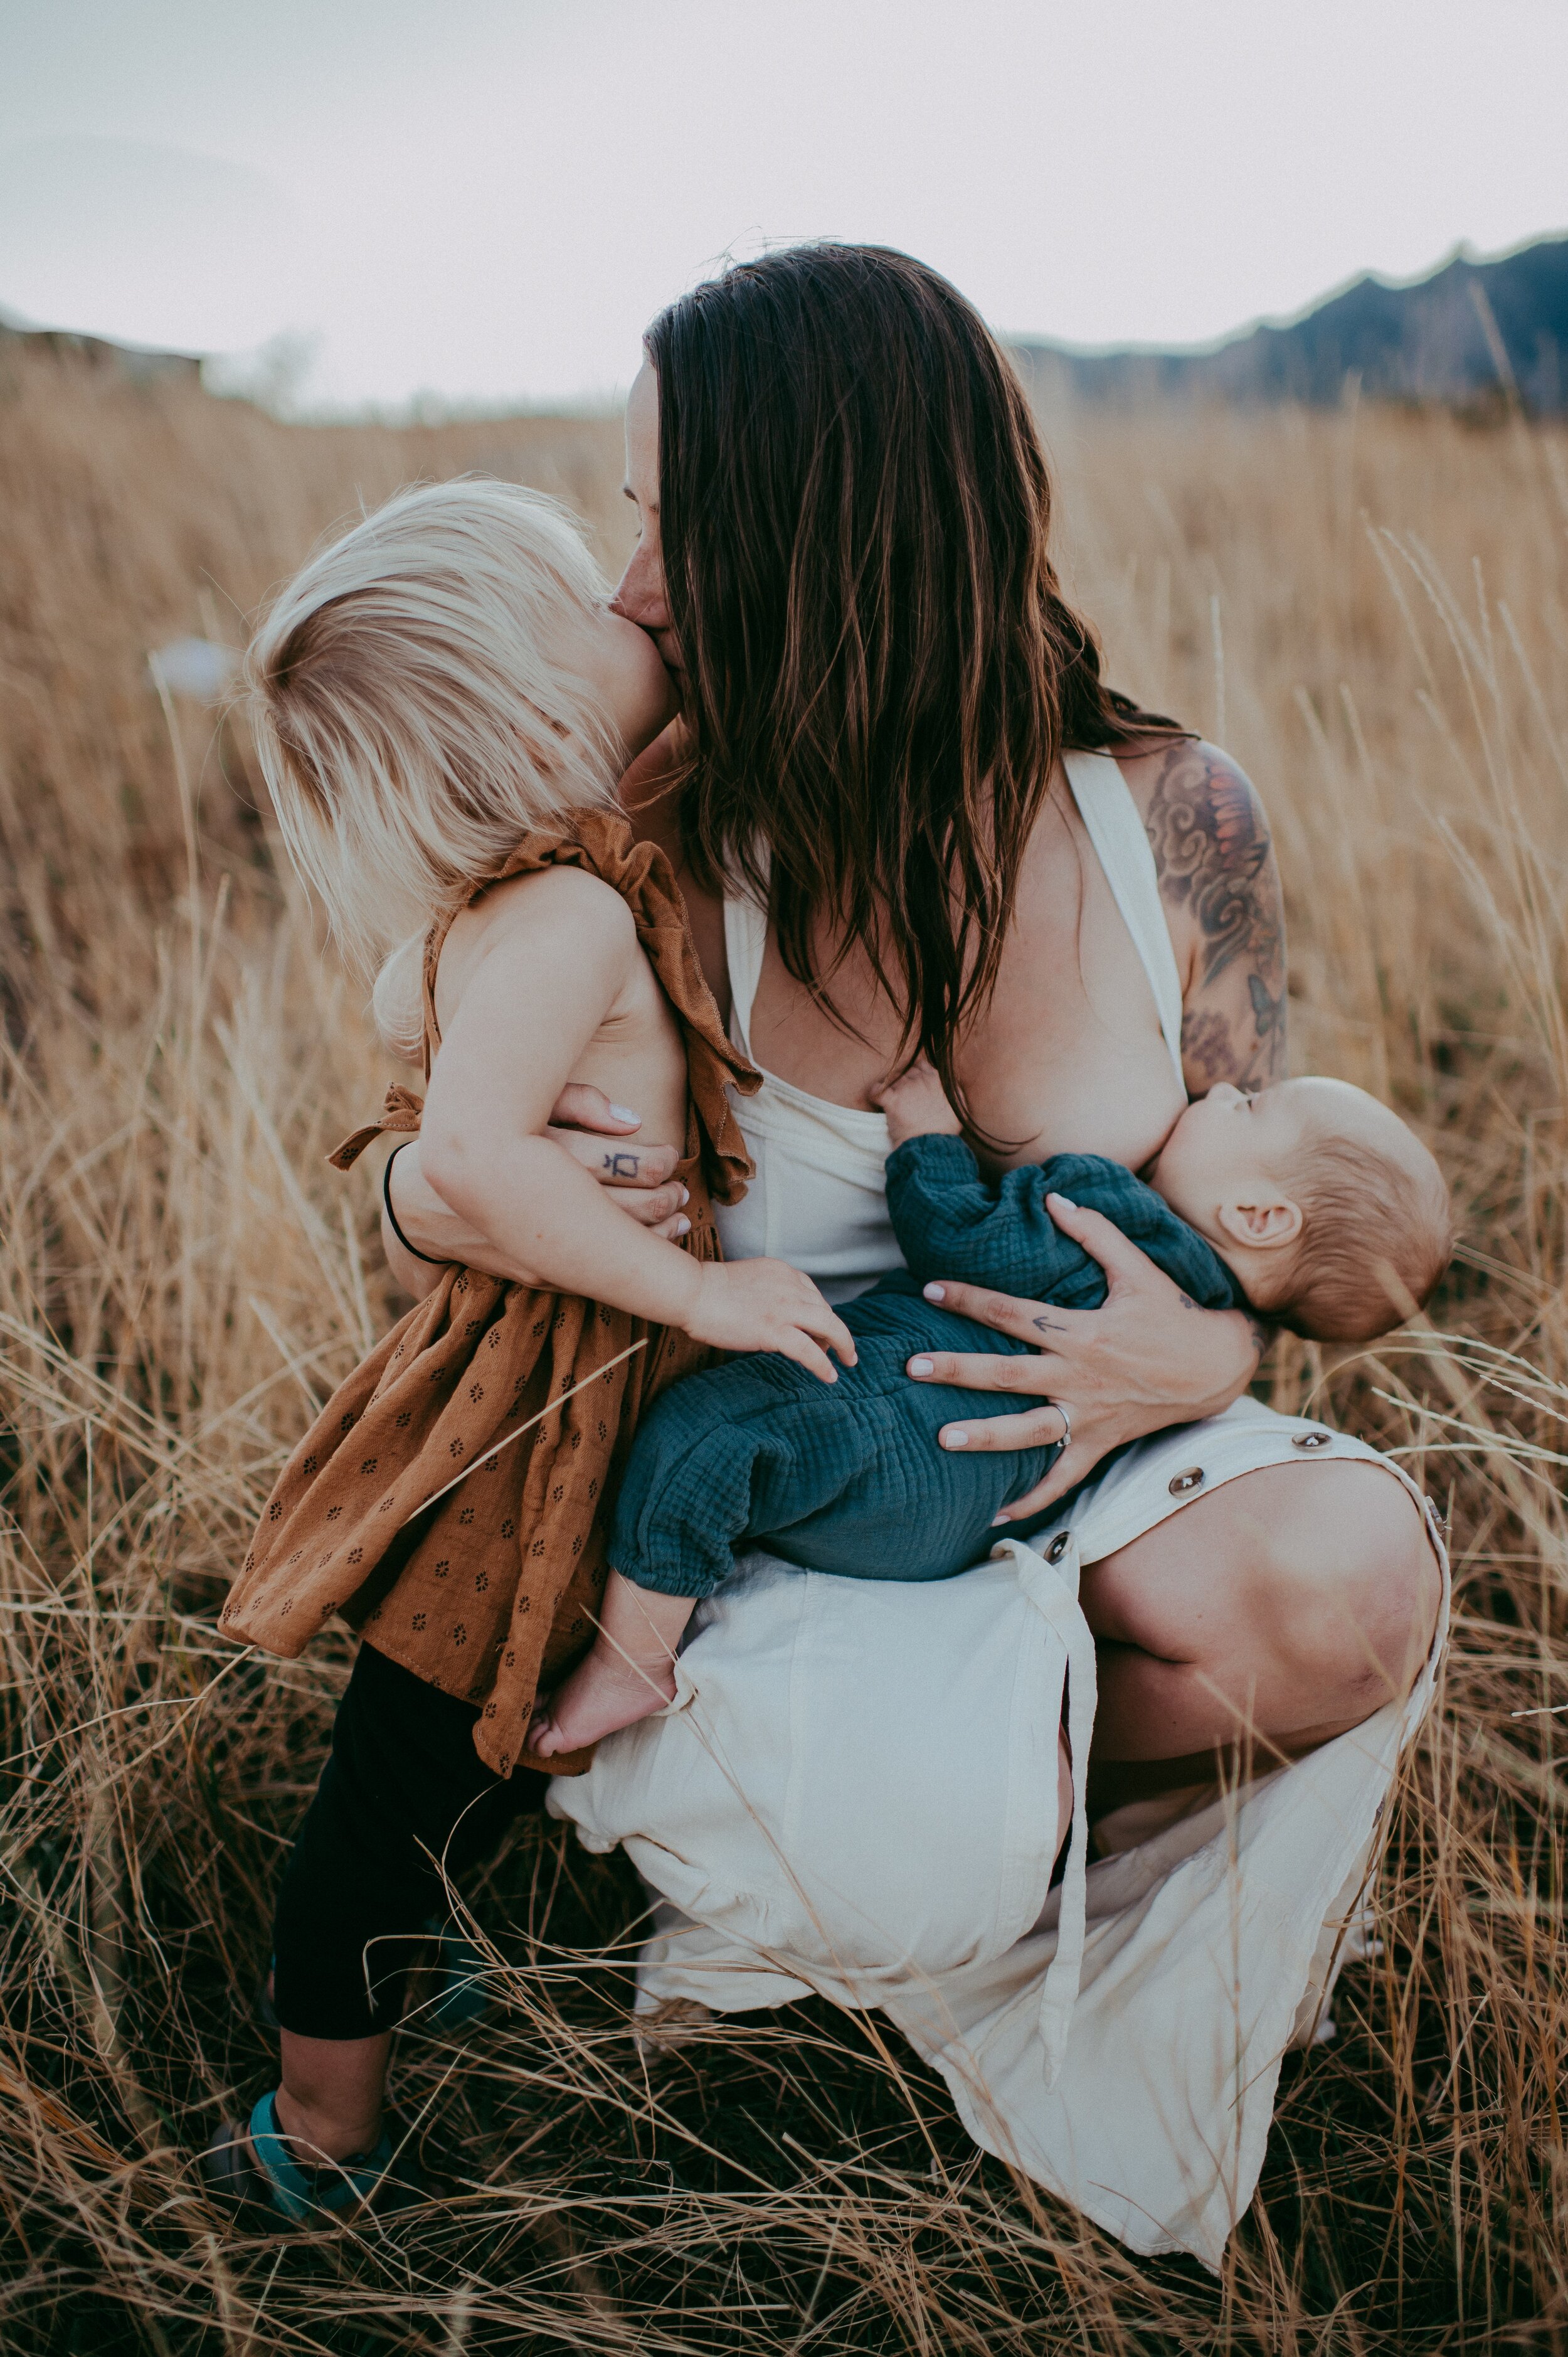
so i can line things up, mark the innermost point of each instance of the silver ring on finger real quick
(1067, 1423)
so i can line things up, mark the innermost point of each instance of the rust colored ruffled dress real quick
(489, 1593)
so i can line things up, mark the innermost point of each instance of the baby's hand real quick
(765, 1305)
(914, 1106)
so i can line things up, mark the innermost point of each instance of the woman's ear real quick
(1261, 1220)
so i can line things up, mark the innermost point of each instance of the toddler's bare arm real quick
(550, 971)
(634, 1176)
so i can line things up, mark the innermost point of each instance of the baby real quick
(1310, 1202)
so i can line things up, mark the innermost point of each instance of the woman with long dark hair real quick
(911, 819)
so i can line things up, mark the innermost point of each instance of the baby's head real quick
(1329, 1210)
(436, 682)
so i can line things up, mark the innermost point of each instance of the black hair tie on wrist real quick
(413, 1250)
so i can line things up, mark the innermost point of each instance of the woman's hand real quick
(1150, 1357)
(601, 1136)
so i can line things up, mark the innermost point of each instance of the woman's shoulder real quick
(1219, 882)
(1188, 789)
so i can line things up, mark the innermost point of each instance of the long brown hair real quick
(855, 509)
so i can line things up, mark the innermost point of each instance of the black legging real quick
(364, 1875)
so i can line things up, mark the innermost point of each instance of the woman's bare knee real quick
(1285, 1608)
(1352, 1589)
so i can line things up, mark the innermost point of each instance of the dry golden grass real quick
(1373, 611)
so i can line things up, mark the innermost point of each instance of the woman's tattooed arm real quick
(1215, 861)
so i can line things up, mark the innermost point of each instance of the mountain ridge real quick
(1475, 330)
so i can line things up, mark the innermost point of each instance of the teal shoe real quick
(251, 2165)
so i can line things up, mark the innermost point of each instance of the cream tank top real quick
(820, 1197)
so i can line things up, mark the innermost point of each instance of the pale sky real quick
(486, 200)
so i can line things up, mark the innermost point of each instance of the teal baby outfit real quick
(848, 1476)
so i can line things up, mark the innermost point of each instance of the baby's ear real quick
(1262, 1222)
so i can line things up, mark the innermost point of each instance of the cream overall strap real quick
(1052, 1590)
(1111, 818)
(745, 938)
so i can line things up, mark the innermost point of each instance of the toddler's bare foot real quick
(602, 1693)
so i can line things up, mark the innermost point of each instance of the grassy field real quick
(1371, 610)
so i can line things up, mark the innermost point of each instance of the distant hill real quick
(138, 365)
(1469, 334)
(1462, 336)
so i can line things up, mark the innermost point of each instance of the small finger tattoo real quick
(622, 1166)
(1048, 1326)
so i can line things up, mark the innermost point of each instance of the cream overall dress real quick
(804, 1824)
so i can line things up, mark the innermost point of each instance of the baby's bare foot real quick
(602, 1693)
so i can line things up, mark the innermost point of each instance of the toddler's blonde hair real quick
(412, 718)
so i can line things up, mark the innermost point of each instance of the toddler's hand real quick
(765, 1305)
(914, 1106)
